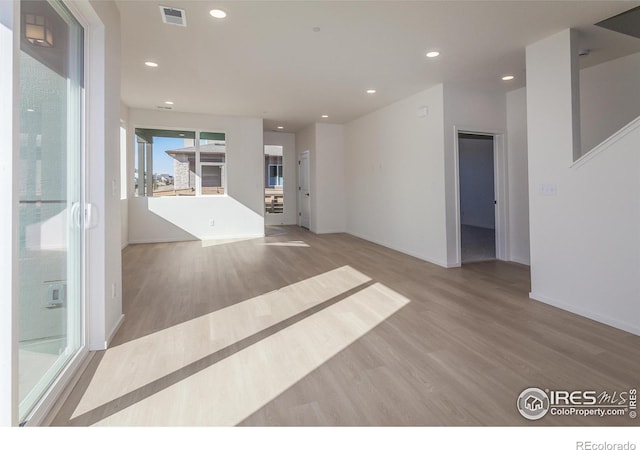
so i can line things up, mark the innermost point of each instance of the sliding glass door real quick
(51, 208)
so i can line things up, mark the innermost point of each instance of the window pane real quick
(50, 197)
(213, 155)
(168, 167)
(124, 179)
(274, 180)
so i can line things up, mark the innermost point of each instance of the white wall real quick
(585, 244)
(306, 140)
(609, 99)
(330, 179)
(518, 176)
(103, 102)
(394, 177)
(466, 110)
(476, 183)
(290, 163)
(238, 214)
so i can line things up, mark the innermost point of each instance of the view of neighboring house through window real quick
(273, 179)
(212, 163)
(179, 163)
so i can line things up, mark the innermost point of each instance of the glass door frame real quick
(42, 409)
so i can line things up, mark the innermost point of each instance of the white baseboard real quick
(159, 241)
(521, 261)
(205, 238)
(114, 331)
(330, 231)
(621, 325)
(402, 250)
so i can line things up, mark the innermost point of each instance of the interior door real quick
(304, 194)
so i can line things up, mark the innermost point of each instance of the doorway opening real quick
(274, 179)
(477, 191)
(304, 200)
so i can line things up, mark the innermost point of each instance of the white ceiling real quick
(265, 60)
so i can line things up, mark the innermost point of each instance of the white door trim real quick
(306, 154)
(500, 188)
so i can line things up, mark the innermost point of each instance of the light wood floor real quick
(299, 329)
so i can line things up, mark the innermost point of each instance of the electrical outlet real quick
(212, 223)
(56, 294)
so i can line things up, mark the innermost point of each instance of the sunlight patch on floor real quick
(136, 363)
(231, 390)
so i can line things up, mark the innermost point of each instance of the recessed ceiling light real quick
(508, 78)
(150, 64)
(371, 91)
(433, 54)
(324, 116)
(280, 127)
(30, 110)
(218, 13)
(168, 102)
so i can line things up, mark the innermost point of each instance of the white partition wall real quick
(584, 216)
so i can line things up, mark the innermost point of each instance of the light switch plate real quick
(548, 189)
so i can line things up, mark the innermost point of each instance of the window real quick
(123, 162)
(213, 154)
(174, 163)
(273, 179)
(275, 175)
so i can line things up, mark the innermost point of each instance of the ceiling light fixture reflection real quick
(168, 102)
(37, 30)
(150, 64)
(371, 91)
(324, 116)
(280, 127)
(508, 78)
(433, 54)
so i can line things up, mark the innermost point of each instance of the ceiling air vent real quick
(173, 16)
